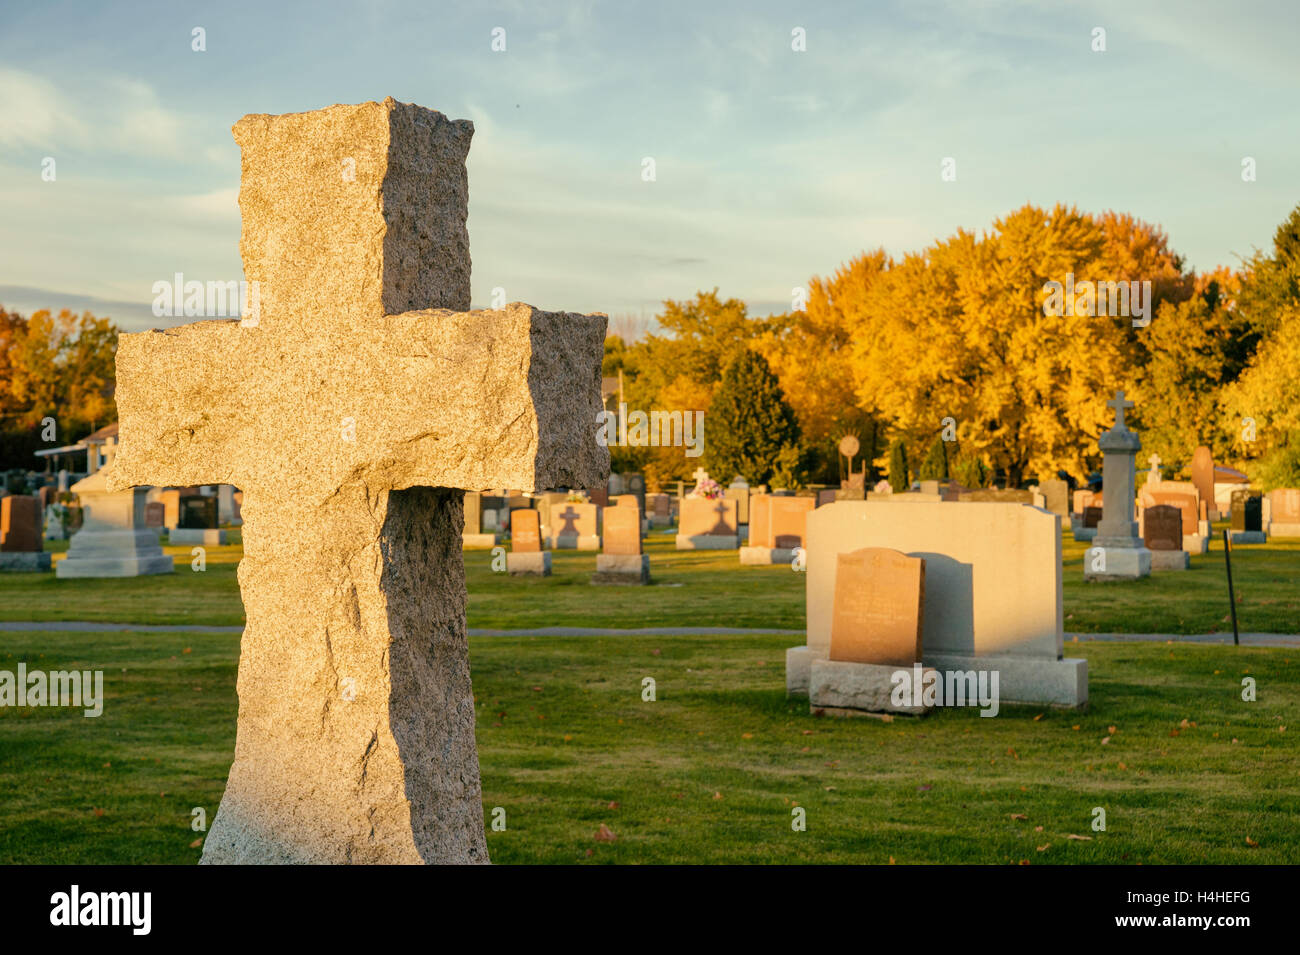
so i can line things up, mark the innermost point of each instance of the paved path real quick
(1247, 639)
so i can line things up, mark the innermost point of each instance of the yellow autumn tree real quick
(959, 331)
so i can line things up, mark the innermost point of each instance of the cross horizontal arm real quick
(428, 398)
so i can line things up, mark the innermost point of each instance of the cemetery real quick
(355, 595)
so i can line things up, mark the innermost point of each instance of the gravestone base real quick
(1170, 560)
(1196, 543)
(535, 563)
(1084, 533)
(32, 561)
(1061, 683)
(622, 569)
(121, 553)
(1281, 529)
(841, 685)
(575, 542)
(1030, 680)
(798, 669)
(708, 542)
(659, 521)
(1248, 537)
(207, 537)
(766, 555)
(1122, 563)
(479, 540)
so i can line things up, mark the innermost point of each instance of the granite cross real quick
(1120, 406)
(353, 414)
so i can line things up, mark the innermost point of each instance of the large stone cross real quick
(353, 414)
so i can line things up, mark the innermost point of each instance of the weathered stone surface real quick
(837, 684)
(622, 569)
(351, 412)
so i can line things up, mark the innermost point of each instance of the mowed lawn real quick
(713, 768)
(692, 589)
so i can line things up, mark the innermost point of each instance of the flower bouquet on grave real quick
(576, 497)
(707, 488)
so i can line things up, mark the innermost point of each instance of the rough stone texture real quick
(842, 684)
(622, 569)
(351, 413)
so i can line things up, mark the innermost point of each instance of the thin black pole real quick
(1232, 600)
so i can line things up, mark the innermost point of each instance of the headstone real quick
(481, 525)
(1203, 474)
(64, 482)
(1162, 532)
(598, 496)
(777, 527)
(1117, 553)
(741, 496)
(1184, 501)
(708, 524)
(113, 540)
(22, 545)
(621, 560)
(1092, 516)
(57, 519)
(153, 514)
(1248, 517)
(197, 523)
(878, 606)
(525, 530)
(827, 496)
(992, 599)
(227, 509)
(574, 526)
(353, 410)
(760, 524)
(1284, 512)
(660, 510)
(788, 520)
(1153, 476)
(473, 512)
(1162, 527)
(1056, 496)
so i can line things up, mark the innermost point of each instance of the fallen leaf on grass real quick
(746, 735)
(196, 843)
(605, 834)
(1044, 847)
(612, 805)
(1105, 740)
(99, 813)
(1079, 838)
(1252, 843)
(717, 795)
(1038, 717)
(1018, 815)
(1038, 828)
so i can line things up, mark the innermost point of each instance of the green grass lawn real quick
(693, 589)
(711, 771)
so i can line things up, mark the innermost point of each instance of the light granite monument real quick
(353, 408)
(777, 527)
(992, 595)
(115, 539)
(1284, 512)
(1117, 552)
(708, 524)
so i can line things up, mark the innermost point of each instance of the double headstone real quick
(1248, 517)
(778, 526)
(1162, 532)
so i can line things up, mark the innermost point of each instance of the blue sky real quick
(772, 165)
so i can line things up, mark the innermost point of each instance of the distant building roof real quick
(108, 431)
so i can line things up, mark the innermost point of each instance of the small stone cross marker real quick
(354, 413)
(700, 475)
(1120, 406)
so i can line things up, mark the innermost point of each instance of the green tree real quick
(935, 465)
(750, 429)
(899, 478)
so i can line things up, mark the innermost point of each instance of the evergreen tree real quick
(899, 478)
(750, 429)
(935, 465)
